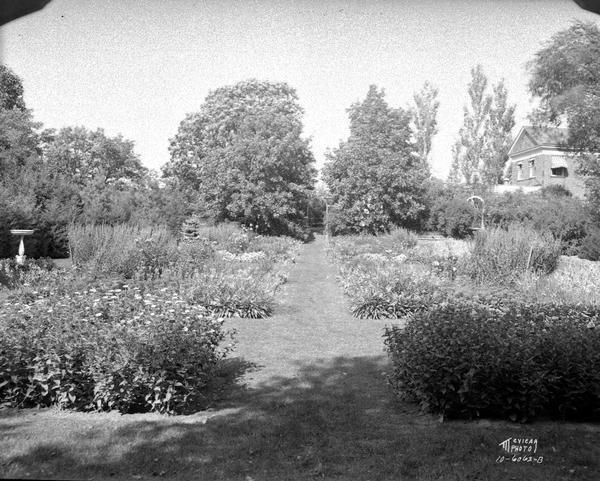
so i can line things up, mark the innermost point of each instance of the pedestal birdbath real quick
(21, 232)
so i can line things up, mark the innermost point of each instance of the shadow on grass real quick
(335, 420)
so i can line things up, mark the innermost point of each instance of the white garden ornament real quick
(21, 232)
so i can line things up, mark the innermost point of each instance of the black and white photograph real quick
(295, 240)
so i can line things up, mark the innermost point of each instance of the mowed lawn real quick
(304, 396)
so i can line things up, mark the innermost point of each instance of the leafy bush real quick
(590, 247)
(502, 256)
(488, 358)
(401, 239)
(553, 210)
(453, 217)
(555, 190)
(50, 225)
(105, 348)
(565, 217)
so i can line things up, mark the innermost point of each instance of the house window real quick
(559, 172)
(532, 168)
(519, 171)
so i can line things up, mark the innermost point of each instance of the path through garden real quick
(311, 402)
(311, 325)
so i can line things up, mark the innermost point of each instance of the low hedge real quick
(107, 348)
(472, 358)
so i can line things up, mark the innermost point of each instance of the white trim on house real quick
(529, 154)
(514, 142)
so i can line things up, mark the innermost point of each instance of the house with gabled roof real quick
(539, 157)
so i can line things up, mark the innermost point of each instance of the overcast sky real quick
(137, 67)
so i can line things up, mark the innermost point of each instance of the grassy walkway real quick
(310, 403)
(311, 324)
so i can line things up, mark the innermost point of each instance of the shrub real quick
(104, 348)
(565, 217)
(590, 247)
(474, 358)
(401, 239)
(502, 256)
(555, 190)
(50, 236)
(453, 217)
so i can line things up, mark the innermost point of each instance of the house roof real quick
(530, 138)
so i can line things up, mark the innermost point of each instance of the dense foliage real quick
(244, 156)
(375, 178)
(502, 256)
(502, 359)
(551, 210)
(424, 118)
(565, 77)
(481, 150)
(132, 326)
(120, 347)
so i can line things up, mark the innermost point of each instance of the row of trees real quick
(242, 156)
(50, 179)
(377, 178)
(481, 151)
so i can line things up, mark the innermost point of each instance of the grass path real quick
(311, 324)
(310, 403)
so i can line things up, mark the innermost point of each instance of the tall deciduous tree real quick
(481, 151)
(11, 90)
(566, 69)
(83, 155)
(498, 138)
(374, 177)
(425, 119)
(244, 154)
(565, 77)
(468, 149)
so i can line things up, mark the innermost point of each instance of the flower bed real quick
(124, 347)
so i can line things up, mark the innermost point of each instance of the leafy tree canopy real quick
(425, 118)
(376, 178)
(244, 155)
(565, 76)
(11, 90)
(19, 142)
(566, 68)
(83, 155)
(481, 151)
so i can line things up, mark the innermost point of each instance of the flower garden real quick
(500, 326)
(137, 324)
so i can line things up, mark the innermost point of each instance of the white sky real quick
(137, 67)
